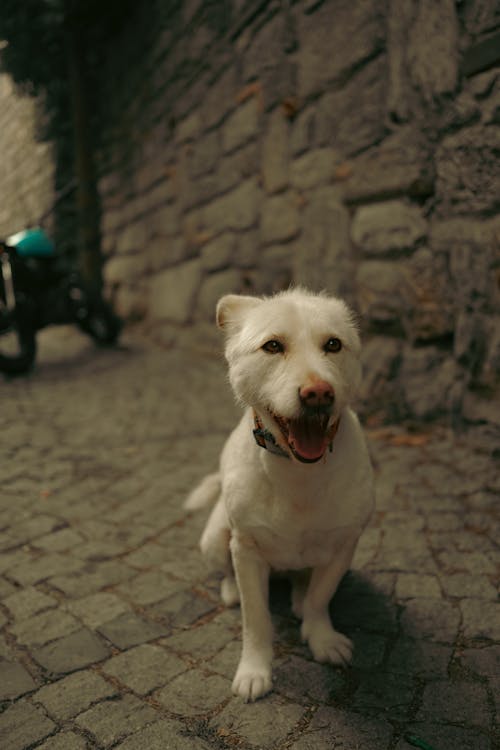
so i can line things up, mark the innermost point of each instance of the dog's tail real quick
(205, 493)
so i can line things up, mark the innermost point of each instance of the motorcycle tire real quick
(22, 362)
(100, 323)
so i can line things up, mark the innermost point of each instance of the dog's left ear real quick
(231, 309)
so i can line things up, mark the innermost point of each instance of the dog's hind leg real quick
(300, 581)
(214, 544)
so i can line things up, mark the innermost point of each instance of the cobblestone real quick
(112, 634)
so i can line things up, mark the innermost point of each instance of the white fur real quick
(274, 513)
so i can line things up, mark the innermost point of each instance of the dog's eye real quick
(333, 345)
(273, 347)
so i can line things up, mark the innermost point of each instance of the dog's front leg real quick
(253, 676)
(327, 644)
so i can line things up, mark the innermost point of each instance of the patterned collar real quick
(266, 439)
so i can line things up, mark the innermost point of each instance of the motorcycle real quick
(37, 291)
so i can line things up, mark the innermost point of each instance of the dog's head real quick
(294, 358)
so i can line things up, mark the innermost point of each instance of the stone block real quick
(44, 627)
(297, 678)
(429, 312)
(128, 629)
(313, 168)
(414, 586)
(416, 657)
(218, 253)
(28, 602)
(443, 702)
(266, 48)
(389, 226)
(183, 609)
(65, 741)
(268, 722)
(151, 586)
(445, 737)
(153, 736)
(323, 256)
(63, 540)
(144, 668)
(489, 373)
(164, 222)
(241, 126)
(220, 97)
(275, 156)
(113, 720)
(172, 292)
(73, 694)
(80, 649)
(247, 249)
(351, 730)
(132, 238)
(401, 165)
(238, 166)
(399, 20)
(433, 51)
(379, 291)
(46, 566)
(189, 127)
(129, 302)
(471, 246)
(213, 287)
(125, 269)
(303, 133)
(482, 54)
(205, 153)
(266, 60)
(236, 210)
(193, 693)
(482, 15)
(352, 118)
(380, 357)
(431, 619)
(96, 609)
(429, 382)
(468, 171)
(464, 585)
(22, 725)
(333, 27)
(275, 269)
(280, 218)
(482, 621)
(162, 252)
(15, 680)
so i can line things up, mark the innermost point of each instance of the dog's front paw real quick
(251, 683)
(327, 644)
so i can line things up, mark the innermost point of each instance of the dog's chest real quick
(292, 548)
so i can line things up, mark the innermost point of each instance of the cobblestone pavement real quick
(111, 631)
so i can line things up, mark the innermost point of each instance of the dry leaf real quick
(410, 440)
(343, 171)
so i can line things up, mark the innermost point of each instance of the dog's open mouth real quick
(308, 436)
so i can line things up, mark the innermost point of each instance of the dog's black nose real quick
(319, 393)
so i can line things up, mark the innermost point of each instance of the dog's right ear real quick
(231, 309)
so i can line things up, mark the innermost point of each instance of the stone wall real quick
(352, 146)
(26, 164)
(346, 146)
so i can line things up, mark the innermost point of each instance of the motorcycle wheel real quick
(25, 349)
(100, 322)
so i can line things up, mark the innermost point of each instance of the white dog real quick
(295, 485)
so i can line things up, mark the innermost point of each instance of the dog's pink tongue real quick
(307, 437)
